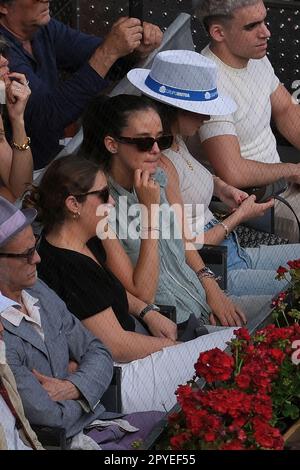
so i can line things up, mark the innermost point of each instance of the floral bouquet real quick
(286, 307)
(251, 394)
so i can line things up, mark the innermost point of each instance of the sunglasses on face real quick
(29, 255)
(145, 144)
(103, 194)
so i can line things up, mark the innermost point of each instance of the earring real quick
(76, 215)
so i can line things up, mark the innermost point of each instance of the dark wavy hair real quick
(108, 116)
(72, 174)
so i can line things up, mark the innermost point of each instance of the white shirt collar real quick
(5, 302)
(15, 316)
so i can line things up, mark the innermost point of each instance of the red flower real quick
(179, 440)
(233, 445)
(201, 422)
(262, 406)
(294, 264)
(242, 333)
(214, 365)
(278, 355)
(240, 410)
(185, 395)
(243, 381)
(281, 270)
(266, 436)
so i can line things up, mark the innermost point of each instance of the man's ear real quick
(3, 9)
(111, 144)
(217, 33)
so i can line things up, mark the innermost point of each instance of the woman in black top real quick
(86, 286)
(73, 261)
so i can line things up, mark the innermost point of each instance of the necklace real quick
(188, 162)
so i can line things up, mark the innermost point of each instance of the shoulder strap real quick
(284, 201)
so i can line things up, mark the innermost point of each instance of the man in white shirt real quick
(15, 430)
(242, 147)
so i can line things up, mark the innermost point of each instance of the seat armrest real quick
(112, 398)
(215, 257)
(168, 311)
(51, 437)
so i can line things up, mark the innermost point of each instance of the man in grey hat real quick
(42, 338)
(242, 147)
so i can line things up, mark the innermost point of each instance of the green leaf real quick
(290, 411)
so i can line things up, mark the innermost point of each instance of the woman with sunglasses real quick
(73, 202)
(16, 164)
(251, 271)
(127, 137)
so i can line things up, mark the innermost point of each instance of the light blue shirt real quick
(178, 284)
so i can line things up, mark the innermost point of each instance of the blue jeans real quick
(252, 271)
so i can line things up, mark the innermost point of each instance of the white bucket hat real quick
(184, 79)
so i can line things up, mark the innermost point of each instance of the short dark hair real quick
(3, 2)
(72, 174)
(222, 11)
(108, 116)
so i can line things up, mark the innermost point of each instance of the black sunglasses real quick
(145, 144)
(29, 255)
(102, 194)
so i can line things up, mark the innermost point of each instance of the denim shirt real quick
(54, 103)
(178, 284)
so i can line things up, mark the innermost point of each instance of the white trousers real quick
(150, 383)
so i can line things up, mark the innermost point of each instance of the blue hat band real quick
(179, 94)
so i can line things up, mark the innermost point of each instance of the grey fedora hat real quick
(13, 220)
(184, 79)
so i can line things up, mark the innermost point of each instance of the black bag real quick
(191, 329)
(251, 238)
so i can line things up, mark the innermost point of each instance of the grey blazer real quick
(65, 339)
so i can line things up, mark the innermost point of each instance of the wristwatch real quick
(147, 309)
(205, 272)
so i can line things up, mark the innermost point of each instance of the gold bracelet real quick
(22, 147)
